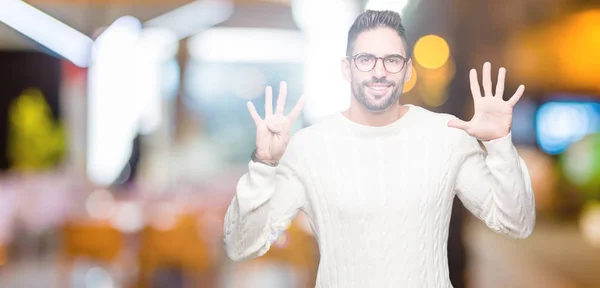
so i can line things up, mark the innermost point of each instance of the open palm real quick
(273, 132)
(493, 116)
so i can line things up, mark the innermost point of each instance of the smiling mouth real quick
(379, 89)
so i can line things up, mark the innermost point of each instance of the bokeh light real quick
(548, 67)
(579, 32)
(581, 165)
(100, 204)
(433, 83)
(412, 82)
(561, 123)
(433, 95)
(432, 51)
(542, 169)
(589, 224)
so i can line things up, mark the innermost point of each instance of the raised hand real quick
(493, 116)
(273, 132)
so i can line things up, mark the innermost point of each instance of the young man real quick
(377, 180)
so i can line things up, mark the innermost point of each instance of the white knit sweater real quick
(379, 199)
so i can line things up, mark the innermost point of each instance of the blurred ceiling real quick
(83, 17)
(87, 16)
(513, 32)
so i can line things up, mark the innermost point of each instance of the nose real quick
(379, 69)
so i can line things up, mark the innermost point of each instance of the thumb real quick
(457, 123)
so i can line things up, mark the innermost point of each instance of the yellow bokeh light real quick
(578, 33)
(433, 83)
(433, 95)
(431, 51)
(442, 75)
(589, 223)
(549, 67)
(412, 82)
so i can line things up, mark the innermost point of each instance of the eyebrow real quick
(386, 55)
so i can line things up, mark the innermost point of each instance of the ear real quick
(409, 69)
(346, 69)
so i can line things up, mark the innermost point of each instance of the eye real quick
(365, 59)
(393, 60)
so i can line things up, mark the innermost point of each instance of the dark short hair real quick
(372, 19)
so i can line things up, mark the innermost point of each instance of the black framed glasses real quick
(365, 62)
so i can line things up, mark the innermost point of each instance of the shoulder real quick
(309, 139)
(437, 124)
(314, 131)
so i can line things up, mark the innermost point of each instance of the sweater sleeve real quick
(496, 186)
(267, 199)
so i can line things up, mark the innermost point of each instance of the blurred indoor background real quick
(124, 129)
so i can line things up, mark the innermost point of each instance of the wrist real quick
(256, 157)
(500, 135)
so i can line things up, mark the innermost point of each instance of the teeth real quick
(379, 88)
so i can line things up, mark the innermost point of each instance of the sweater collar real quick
(375, 131)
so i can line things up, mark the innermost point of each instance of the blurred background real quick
(124, 129)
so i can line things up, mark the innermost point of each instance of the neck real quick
(359, 114)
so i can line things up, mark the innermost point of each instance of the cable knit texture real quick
(379, 199)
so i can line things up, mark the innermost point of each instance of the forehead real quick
(379, 41)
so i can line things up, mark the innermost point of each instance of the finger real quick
(281, 98)
(268, 101)
(487, 79)
(515, 98)
(297, 109)
(253, 113)
(457, 123)
(500, 84)
(475, 90)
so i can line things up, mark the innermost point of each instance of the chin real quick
(372, 102)
(377, 97)
(379, 100)
(377, 106)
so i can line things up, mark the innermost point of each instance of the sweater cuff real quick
(501, 146)
(250, 190)
(261, 170)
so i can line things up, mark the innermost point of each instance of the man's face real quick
(378, 89)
